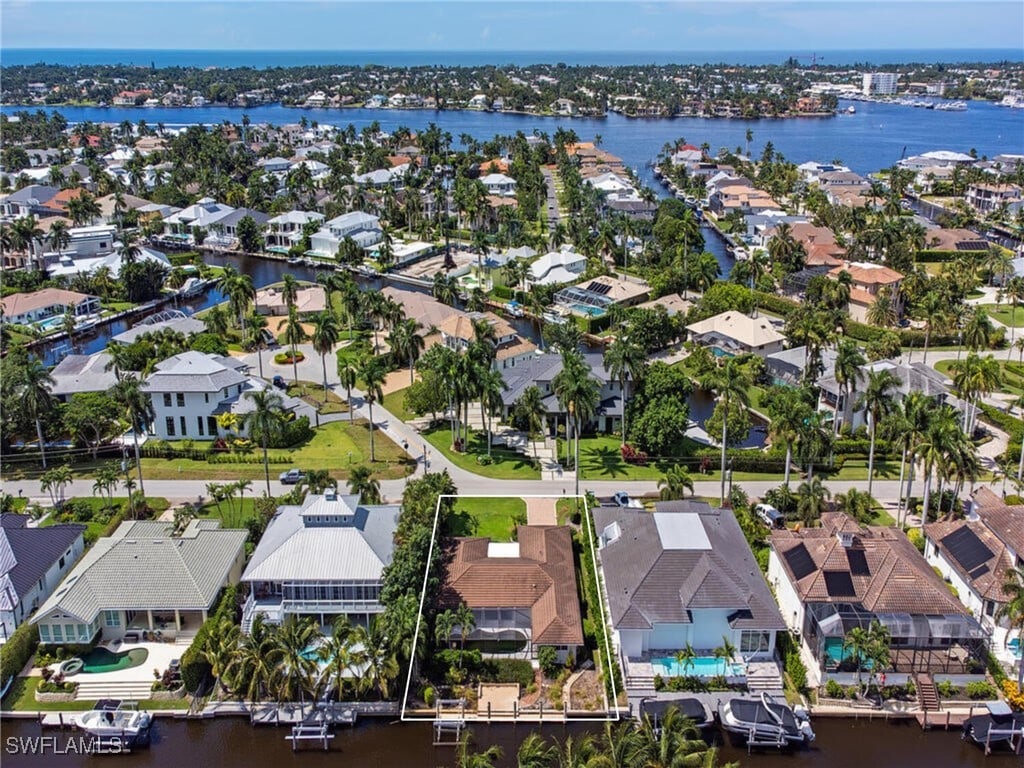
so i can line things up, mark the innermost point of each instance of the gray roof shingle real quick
(26, 554)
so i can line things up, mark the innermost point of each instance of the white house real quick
(479, 101)
(285, 230)
(510, 349)
(324, 558)
(562, 266)
(383, 177)
(683, 575)
(25, 308)
(499, 184)
(32, 563)
(189, 391)
(202, 214)
(143, 579)
(364, 228)
(275, 164)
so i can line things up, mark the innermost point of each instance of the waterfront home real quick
(812, 170)
(68, 265)
(278, 165)
(734, 333)
(86, 242)
(938, 157)
(27, 308)
(540, 370)
(957, 239)
(499, 184)
(683, 575)
(323, 558)
(143, 579)
(673, 304)
(742, 198)
(522, 591)
(33, 560)
(364, 228)
(479, 101)
(974, 554)
(841, 576)
(789, 366)
(592, 298)
(227, 228)
(285, 230)
(831, 179)
(989, 198)
(202, 215)
(458, 331)
(111, 213)
(562, 266)
(78, 374)
(309, 299)
(866, 281)
(189, 391)
(912, 377)
(32, 200)
(819, 244)
(383, 177)
(174, 320)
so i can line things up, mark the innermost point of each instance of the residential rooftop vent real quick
(845, 538)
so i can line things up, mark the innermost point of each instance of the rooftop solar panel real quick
(800, 562)
(978, 572)
(858, 562)
(972, 245)
(839, 584)
(966, 548)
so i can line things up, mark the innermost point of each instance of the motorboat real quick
(117, 720)
(998, 725)
(765, 721)
(851, 110)
(514, 308)
(193, 286)
(694, 710)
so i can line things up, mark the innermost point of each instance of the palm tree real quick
(467, 757)
(731, 384)
(325, 335)
(858, 642)
(407, 343)
(294, 334)
(726, 651)
(857, 504)
(529, 409)
(381, 665)
(685, 657)
(371, 371)
(58, 237)
(490, 386)
(362, 483)
(625, 361)
(36, 400)
(138, 409)
(216, 321)
(338, 656)
(577, 393)
(789, 413)
(934, 448)
(977, 331)
(811, 497)
(535, 752)
(264, 422)
(876, 402)
(130, 250)
(347, 376)
(849, 362)
(221, 651)
(258, 658)
(882, 312)
(296, 666)
(1012, 609)
(675, 482)
(934, 310)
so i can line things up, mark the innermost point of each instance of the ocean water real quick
(288, 58)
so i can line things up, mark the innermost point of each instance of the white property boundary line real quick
(611, 705)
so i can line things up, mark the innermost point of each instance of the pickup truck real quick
(621, 499)
(292, 476)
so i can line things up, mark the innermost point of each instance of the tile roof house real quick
(842, 575)
(684, 574)
(32, 200)
(522, 590)
(325, 558)
(458, 331)
(563, 266)
(868, 279)
(76, 374)
(974, 557)
(144, 578)
(737, 333)
(189, 391)
(308, 299)
(25, 308)
(32, 563)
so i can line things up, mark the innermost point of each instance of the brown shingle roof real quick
(541, 579)
(895, 579)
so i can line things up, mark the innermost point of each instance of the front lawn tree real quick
(264, 423)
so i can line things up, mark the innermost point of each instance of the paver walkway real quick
(541, 511)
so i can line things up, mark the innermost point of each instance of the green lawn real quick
(1005, 315)
(102, 515)
(394, 402)
(1013, 382)
(313, 393)
(232, 514)
(490, 517)
(601, 459)
(505, 465)
(334, 447)
(21, 698)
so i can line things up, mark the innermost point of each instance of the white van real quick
(770, 516)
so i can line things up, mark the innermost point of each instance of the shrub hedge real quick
(507, 671)
(15, 653)
(194, 668)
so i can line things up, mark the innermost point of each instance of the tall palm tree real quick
(491, 384)
(130, 251)
(289, 290)
(849, 362)
(295, 334)
(789, 412)
(372, 373)
(35, 398)
(296, 666)
(362, 483)
(264, 423)
(731, 385)
(58, 237)
(934, 310)
(240, 291)
(338, 654)
(138, 410)
(933, 449)
(577, 393)
(674, 483)
(347, 376)
(882, 312)
(876, 401)
(377, 656)
(325, 335)
(221, 651)
(810, 500)
(407, 343)
(625, 361)
(216, 320)
(257, 664)
(529, 408)
(1012, 610)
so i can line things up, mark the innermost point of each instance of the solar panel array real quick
(858, 562)
(839, 584)
(800, 562)
(978, 572)
(599, 288)
(966, 548)
(972, 245)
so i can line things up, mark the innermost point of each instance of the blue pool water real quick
(583, 309)
(1014, 646)
(51, 324)
(702, 666)
(721, 352)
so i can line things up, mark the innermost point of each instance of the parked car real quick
(292, 476)
(279, 382)
(621, 499)
(770, 516)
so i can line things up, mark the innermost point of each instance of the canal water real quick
(233, 743)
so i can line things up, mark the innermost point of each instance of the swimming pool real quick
(100, 660)
(721, 352)
(1014, 646)
(702, 666)
(584, 309)
(51, 324)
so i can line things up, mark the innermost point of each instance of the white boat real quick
(851, 110)
(514, 308)
(766, 721)
(117, 720)
(555, 317)
(193, 287)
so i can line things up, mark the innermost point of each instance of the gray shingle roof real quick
(649, 582)
(544, 368)
(185, 325)
(26, 554)
(325, 540)
(195, 372)
(141, 567)
(83, 373)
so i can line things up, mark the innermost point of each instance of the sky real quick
(513, 25)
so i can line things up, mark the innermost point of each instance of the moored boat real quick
(117, 720)
(695, 710)
(766, 722)
(999, 725)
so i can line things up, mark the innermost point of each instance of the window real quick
(211, 425)
(111, 619)
(199, 421)
(60, 563)
(184, 430)
(206, 397)
(754, 641)
(58, 634)
(167, 399)
(169, 426)
(44, 632)
(69, 631)
(181, 400)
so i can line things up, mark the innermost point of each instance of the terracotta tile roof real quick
(865, 273)
(824, 255)
(497, 165)
(62, 198)
(23, 303)
(542, 579)
(888, 575)
(1004, 521)
(989, 583)
(860, 296)
(519, 346)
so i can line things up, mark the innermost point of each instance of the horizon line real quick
(504, 50)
